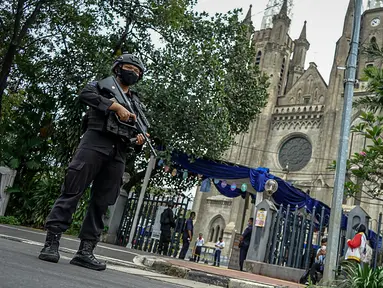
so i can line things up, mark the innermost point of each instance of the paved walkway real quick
(232, 273)
(124, 254)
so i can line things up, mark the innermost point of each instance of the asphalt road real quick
(20, 267)
(70, 242)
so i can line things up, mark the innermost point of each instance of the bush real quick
(9, 220)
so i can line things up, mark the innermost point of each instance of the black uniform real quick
(167, 222)
(245, 244)
(185, 238)
(100, 158)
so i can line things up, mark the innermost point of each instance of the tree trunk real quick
(17, 37)
(5, 70)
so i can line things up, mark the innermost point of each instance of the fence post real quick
(377, 241)
(148, 173)
(261, 231)
(282, 249)
(293, 236)
(274, 237)
(7, 177)
(310, 239)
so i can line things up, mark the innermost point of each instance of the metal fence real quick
(291, 233)
(296, 236)
(143, 237)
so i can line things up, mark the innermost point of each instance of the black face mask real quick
(128, 77)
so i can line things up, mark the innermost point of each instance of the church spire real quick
(349, 19)
(297, 64)
(248, 16)
(283, 14)
(303, 33)
(284, 9)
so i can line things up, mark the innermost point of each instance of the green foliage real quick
(32, 199)
(364, 169)
(357, 276)
(201, 87)
(9, 220)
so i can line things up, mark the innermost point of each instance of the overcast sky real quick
(324, 24)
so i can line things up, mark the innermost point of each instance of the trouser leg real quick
(313, 272)
(185, 248)
(161, 244)
(166, 237)
(242, 256)
(218, 257)
(215, 257)
(197, 253)
(83, 168)
(104, 192)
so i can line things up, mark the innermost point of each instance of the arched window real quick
(216, 227)
(373, 40)
(211, 235)
(217, 233)
(221, 233)
(281, 76)
(258, 59)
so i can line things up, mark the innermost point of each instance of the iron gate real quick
(292, 239)
(142, 239)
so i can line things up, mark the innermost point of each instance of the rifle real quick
(141, 125)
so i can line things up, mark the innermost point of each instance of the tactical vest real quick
(109, 123)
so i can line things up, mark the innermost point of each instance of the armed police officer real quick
(100, 160)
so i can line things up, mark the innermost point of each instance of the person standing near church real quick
(187, 236)
(167, 223)
(99, 160)
(218, 249)
(198, 247)
(244, 243)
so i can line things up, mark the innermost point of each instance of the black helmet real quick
(127, 58)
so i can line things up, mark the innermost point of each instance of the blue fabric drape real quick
(210, 169)
(230, 193)
(286, 194)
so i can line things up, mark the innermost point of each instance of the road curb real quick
(164, 267)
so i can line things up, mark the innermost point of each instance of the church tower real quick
(273, 51)
(274, 48)
(371, 34)
(297, 66)
(334, 99)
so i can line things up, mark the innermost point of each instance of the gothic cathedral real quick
(297, 134)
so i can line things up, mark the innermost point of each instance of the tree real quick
(16, 21)
(201, 86)
(366, 167)
(197, 90)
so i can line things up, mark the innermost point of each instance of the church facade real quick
(297, 134)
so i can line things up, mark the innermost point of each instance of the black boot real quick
(85, 258)
(50, 252)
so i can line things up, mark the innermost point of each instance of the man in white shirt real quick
(218, 249)
(198, 247)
